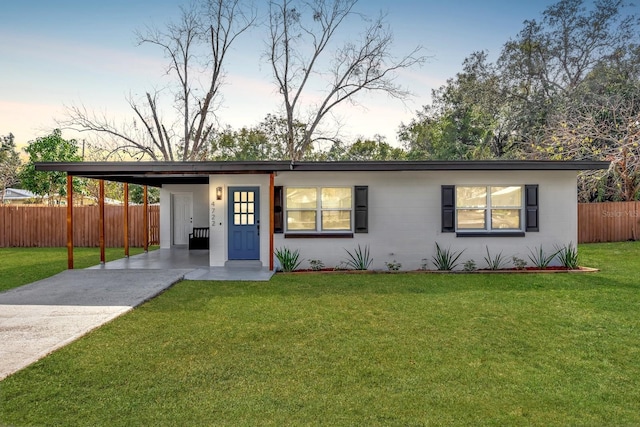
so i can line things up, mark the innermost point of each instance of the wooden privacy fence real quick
(608, 222)
(46, 226)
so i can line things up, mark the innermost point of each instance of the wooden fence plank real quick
(608, 222)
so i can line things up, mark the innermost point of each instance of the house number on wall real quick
(213, 214)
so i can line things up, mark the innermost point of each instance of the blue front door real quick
(244, 223)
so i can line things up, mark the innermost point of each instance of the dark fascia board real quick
(116, 168)
(208, 168)
(159, 173)
(486, 165)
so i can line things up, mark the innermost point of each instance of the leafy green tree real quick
(267, 141)
(373, 149)
(51, 148)
(264, 142)
(9, 164)
(552, 57)
(512, 108)
(136, 194)
(467, 119)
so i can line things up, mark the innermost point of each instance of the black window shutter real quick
(531, 208)
(448, 208)
(361, 209)
(278, 209)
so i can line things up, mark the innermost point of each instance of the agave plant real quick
(289, 260)
(360, 259)
(568, 255)
(540, 258)
(494, 262)
(446, 259)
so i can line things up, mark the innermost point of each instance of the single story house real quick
(399, 209)
(16, 196)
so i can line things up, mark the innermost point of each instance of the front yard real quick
(357, 349)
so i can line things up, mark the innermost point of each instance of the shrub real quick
(445, 259)
(360, 259)
(519, 263)
(289, 260)
(316, 264)
(393, 265)
(470, 265)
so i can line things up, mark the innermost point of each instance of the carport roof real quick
(159, 173)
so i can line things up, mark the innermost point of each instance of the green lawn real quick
(353, 349)
(19, 266)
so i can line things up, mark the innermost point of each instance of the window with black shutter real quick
(496, 210)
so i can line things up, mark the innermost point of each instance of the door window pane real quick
(243, 208)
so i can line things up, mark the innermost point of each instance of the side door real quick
(182, 211)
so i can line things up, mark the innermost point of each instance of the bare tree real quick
(600, 124)
(196, 47)
(300, 51)
(9, 164)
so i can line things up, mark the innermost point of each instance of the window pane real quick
(251, 219)
(301, 220)
(251, 195)
(336, 220)
(471, 197)
(507, 197)
(336, 198)
(505, 219)
(471, 219)
(301, 198)
(243, 197)
(236, 196)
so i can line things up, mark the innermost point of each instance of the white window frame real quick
(318, 210)
(488, 209)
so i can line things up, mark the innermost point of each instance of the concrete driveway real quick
(43, 316)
